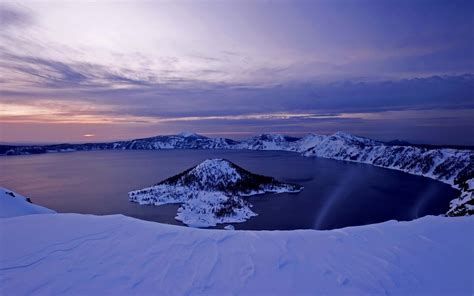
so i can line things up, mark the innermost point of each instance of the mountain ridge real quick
(189, 140)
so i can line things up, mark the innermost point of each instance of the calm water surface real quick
(336, 193)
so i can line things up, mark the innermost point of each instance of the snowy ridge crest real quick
(210, 174)
(269, 142)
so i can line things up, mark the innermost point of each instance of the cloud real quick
(121, 92)
(52, 73)
(13, 16)
(200, 65)
(37, 72)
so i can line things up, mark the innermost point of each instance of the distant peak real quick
(216, 166)
(216, 160)
(349, 138)
(213, 161)
(312, 135)
(188, 135)
(268, 136)
(343, 134)
(210, 173)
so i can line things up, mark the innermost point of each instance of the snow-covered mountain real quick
(269, 142)
(451, 166)
(180, 141)
(306, 142)
(211, 193)
(225, 176)
(454, 167)
(333, 144)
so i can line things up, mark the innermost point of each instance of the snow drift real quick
(13, 204)
(73, 254)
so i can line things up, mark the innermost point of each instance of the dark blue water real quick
(336, 193)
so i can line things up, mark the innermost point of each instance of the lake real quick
(336, 193)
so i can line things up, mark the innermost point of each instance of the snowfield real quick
(73, 254)
(13, 204)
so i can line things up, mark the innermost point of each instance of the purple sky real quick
(79, 71)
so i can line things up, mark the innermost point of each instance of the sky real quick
(89, 71)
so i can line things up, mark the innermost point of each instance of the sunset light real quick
(237, 147)
(200, 66)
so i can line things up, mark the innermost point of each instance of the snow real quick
(188, 134)
(13, 204)
(470, 184)
(201, 210)
(218, 170)
(267, 142)
(307, 142)
(73, 254)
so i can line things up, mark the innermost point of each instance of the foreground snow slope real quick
(85, 255)
(13, 204)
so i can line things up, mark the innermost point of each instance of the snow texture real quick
(13, 204)
(73, 254)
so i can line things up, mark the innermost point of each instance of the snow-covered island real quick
(211, 193)
(74, 254)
